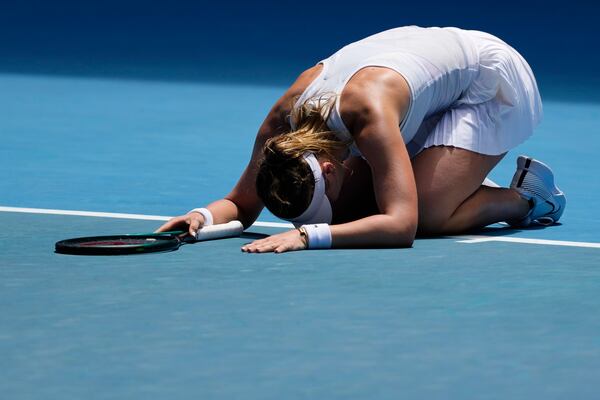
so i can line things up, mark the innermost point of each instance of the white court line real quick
(465, 239)
(84, 213)
(119, 215)
(481, 239)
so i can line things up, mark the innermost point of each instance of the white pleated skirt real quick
(498, 112)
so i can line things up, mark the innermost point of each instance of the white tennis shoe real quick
(534, 181)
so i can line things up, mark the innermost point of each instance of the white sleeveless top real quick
(439, 65)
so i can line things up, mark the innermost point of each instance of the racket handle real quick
(220, 231)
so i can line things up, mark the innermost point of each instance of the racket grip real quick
(220, 231)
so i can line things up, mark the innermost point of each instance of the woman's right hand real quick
(190, 222)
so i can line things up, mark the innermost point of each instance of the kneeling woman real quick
(392, 136)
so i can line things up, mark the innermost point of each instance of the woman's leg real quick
(451, 197)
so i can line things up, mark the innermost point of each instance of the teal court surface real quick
(499, 314)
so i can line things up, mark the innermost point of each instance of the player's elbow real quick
(405, 237)
(402, 232)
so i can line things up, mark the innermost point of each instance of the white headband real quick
(319, 210)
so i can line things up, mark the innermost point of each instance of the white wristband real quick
(319, 236)
(208, 217)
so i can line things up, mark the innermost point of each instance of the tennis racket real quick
(144, 242)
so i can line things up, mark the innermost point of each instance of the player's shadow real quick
(254, 236)
(506, 230)
(494, 230)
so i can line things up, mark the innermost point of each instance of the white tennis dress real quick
(468, 89)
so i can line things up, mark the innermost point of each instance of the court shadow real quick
(508, 230)
(253, 235)
(495, 230)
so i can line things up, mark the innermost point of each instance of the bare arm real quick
(243, 203)
(373, 108)
(381, 144)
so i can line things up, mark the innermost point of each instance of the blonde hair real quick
(284, 181)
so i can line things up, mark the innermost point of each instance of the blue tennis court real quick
(499, 314)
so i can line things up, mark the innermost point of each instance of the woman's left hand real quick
(282, 242)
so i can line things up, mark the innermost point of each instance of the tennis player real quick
(390, 137)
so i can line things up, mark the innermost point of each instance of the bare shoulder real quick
(306, 78)
(371, 92)
(281, 109)
(285, 103)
